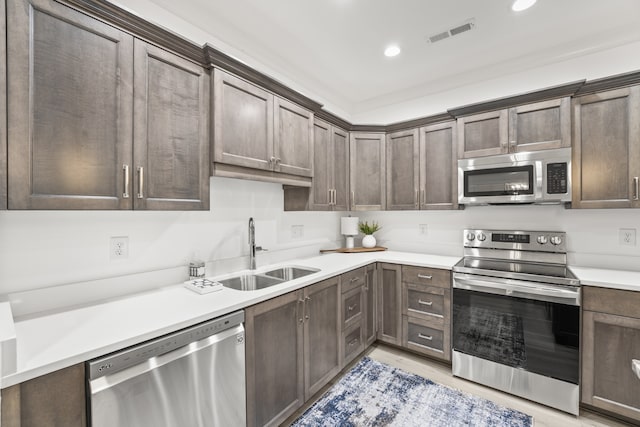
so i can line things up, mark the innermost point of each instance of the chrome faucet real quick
(252, 245)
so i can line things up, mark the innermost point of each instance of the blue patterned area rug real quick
(375, 394)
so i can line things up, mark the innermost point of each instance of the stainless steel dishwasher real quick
(191, 378)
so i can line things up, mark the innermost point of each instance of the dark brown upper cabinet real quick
(438, 166)
(606, 151)
(403, 170)
(72, 143)
(367, 171)
(330, 186)
(255, 130)
(3, 107)
(70, 109)
(171, 131)
(531, 127)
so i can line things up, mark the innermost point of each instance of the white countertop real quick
(615, 279)
(55, 341)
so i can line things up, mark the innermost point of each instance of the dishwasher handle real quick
(113, 363)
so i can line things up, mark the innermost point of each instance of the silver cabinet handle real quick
(300, 318)
(125, 168)
(330, 197)
(425, 337)
(636, 194)
(335, 197)
(353, 199)
(425, 276)
(141, 182)
(306, 316)
(427, 303)
(354, 342)
(635, 367)
(272, 162)
(351, 307)
(423, 198)
(417, 199)
(354, 279)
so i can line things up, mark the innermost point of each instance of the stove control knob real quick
(481, 237)
(556, 240)
(543, 240)
(471, 236)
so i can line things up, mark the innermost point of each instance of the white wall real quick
(592, 234)
(41, 249)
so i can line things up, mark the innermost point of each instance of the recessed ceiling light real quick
(392, 50)
(520, 5)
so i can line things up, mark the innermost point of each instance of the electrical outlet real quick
(423, 228)
(119, 247)
(297, 231)
(627, 236)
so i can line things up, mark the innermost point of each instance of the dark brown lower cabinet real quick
(52, 400)
(292, 350)
(611, 351)
(389, 303)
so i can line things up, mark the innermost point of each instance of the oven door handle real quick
(522, 289)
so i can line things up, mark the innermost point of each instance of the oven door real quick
(524, 325)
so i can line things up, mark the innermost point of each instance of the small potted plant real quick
(368, 241)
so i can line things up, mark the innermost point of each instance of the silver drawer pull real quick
(425, 337)
(429, 303)
(140, 182)
(635, 367)
(355, 279)
(425, 276)
(354, 342)
(351, 307)
(125, 169)
(636, 194)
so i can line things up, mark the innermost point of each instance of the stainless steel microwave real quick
(540, 177)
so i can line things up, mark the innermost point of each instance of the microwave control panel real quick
(557, 178)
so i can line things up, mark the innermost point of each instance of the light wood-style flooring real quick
(543, 416)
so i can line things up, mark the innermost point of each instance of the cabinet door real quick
(321, 185)
(389, 303)
(370, 306)
(483, 134)
(242, 123)
(321, 335)
(366, 169)
(540, 126)
(55, 399)
(606, 152)
(3, 107)
(171, 138)
(611, 347)
(438, 167)
(403, 170)
(340, 164)
(293, 144)
(70, 80)
(274, 355)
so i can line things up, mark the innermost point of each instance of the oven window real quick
(499, 181)
(538, 336)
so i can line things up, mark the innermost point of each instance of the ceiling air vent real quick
(468, 25)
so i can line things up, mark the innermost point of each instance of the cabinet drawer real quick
(352, 279)
(612, 301)
(353, 343)
(424, 300)
(352, 303)
(426, 276)
(424, 337)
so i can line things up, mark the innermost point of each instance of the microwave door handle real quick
(538, 190)
(531, 290)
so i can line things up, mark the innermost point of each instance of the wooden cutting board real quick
(354, 250)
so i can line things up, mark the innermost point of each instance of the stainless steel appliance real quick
(194, 377)
(516, 316)
(539, 177)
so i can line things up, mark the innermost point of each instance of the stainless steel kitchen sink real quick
(250, 282)
(290, 272)
(255, 281)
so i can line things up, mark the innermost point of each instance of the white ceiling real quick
(335, 47)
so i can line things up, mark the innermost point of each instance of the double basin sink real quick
(254, 281)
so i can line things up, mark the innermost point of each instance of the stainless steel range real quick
(516, 316)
